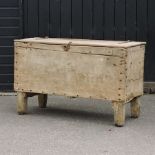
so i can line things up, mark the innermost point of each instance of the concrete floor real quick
(75, 127)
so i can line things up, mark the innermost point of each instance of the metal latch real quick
(67, 47)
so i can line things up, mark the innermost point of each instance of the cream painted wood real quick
(135, 107)
(109, 70)
(21, 103)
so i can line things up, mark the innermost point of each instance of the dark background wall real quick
(10, 28)
(94, 19)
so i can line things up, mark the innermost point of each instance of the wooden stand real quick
(118, 107)
(22, 98)
(106, 70)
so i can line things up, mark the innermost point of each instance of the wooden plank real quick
(142, 32)
(135, 71)
(32, 24)
(81, 42)
(131, 23)
(69, 76)
(9, 12)
(21, 26)
(7, 69)
(7, 40)
(98, 19)
(107, 51)
(77, 30)
(44, 18)
(55, 18)
(9, 22)
(6, 59)
(66, 18)
(120, 20)
(9, 31)
(6, 50)
(25, 19)
(6, 78)
(109, 19)
(87, 19)
(151, 46)
(142, 17)
(8, 3)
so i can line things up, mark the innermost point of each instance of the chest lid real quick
(82, 42)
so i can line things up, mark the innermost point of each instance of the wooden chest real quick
(111, 70)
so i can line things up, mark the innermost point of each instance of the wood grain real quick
(119, 113)
(70, 74)
(82, 42)
(21, 103)
(84, 71)
(135, 107)
(109, 70)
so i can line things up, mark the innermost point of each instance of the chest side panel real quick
(135, 72)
